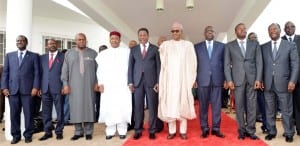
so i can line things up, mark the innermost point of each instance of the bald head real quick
(289, 28)
(80, 40)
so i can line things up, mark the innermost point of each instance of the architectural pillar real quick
(18, 22)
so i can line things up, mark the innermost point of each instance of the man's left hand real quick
(291, 87)
(34, 92)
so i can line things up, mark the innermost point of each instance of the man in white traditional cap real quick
(177, 76)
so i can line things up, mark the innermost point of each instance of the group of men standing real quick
(164, 75)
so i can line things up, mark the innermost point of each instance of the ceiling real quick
(127, 16)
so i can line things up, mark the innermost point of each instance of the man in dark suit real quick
(210, 80)
(281, 68)
(51, 89)
(243, 71)
(20, 83)
(143, 77)
(290, 35)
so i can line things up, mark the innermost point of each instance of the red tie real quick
(51, 60)
(144, 51)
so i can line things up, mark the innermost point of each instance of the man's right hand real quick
(66, 90)
(5, 92)
(231, 85)
(131, 88)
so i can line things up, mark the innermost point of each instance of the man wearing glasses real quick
(177, 76)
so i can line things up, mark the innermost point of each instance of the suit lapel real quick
(236, 45)
(269, 47)
(280, 48)
(206, 51)
(24, 58)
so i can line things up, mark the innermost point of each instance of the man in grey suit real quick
(281, 67)
(210, 80)
(290, 35)
(243, 71)
(143, 77)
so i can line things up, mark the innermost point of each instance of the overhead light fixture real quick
(159, 5)
(189, 4)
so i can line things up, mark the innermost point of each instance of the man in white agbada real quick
(177, 76)
(115, 108)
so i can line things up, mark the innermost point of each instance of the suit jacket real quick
(284, 68)
(21, 78)
(50, 78)
(210, 68)
(150, 66)
(297, 41)
(238, 68)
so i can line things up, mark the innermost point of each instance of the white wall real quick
(277, 11)
(42, 26)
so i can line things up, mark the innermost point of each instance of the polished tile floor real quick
(99, 138)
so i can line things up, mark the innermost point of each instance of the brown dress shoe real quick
(171, 136)
(183, 136)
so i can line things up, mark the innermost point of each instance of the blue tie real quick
(209, 49)
(274, 51)
(290, 39)
(20, 58)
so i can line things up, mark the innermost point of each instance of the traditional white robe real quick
(115, 105)
(177, 76)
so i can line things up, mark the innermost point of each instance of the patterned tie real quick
(290, 39)
(81, 63)
(20, 58)
(51, 60)
(274, 50)
(144, 51)
(209, 49)
(242, 48)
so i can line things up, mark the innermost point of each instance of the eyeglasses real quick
(173, 31)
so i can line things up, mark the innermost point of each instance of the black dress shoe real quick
(76, 137)
(252, 136)
(28, 140)
(15, 140)
(217, 133)
(59, 136)
(171, 136)
(270, 137)
(122, 136)
(151, 135)
(241, 136)
(264, 129)
(298, 133)
(183, 136)
(88, 137)
(137, 135)
(205, 134)
(289, 139)
(45, 137)
(107, 137)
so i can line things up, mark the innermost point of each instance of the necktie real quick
(242, 48)
(209, 49)
(274, 51)
(144, 51)
(81, 63)
(290, 39)
(20, 58)
(51, 60)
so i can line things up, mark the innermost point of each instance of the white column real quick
(18, 22)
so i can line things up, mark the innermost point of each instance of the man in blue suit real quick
(20, 83)
(51, 89)
(143, 76)
(210, 81)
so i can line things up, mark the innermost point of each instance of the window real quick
(62, 43)
(2, 46)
